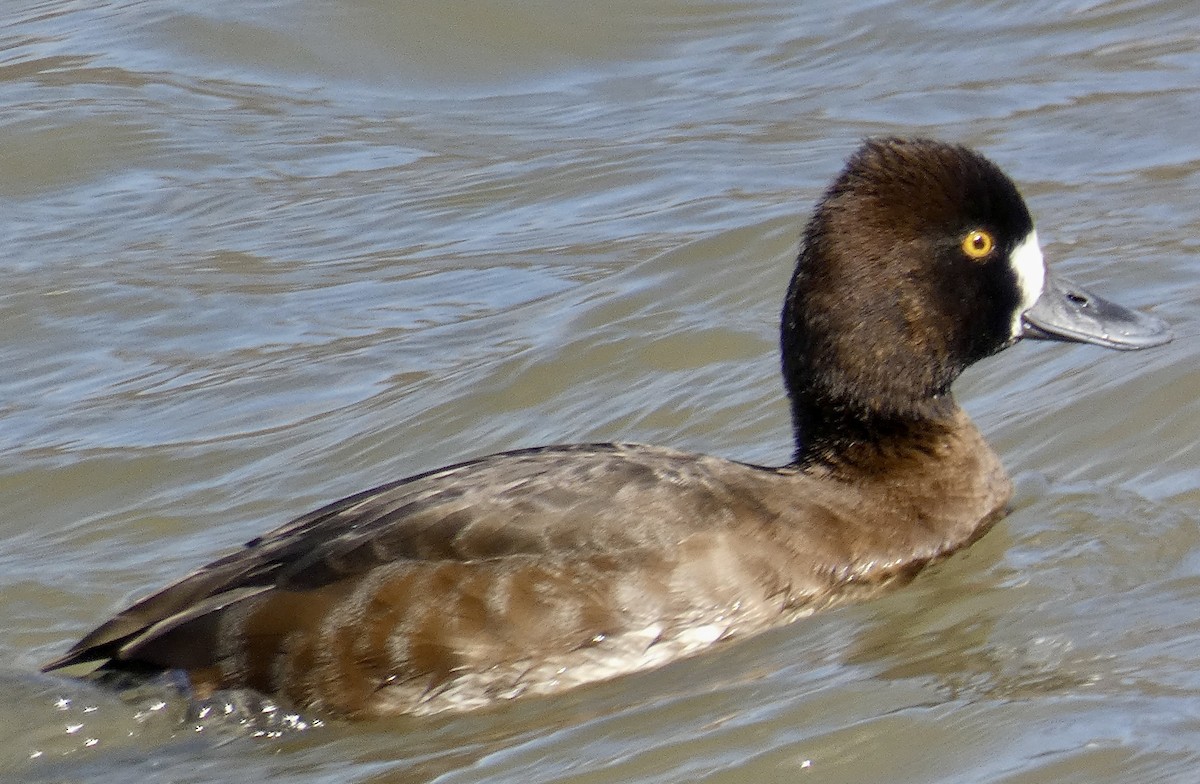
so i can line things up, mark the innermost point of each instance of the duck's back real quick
(535, 571)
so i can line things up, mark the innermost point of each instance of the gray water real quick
(260, 255)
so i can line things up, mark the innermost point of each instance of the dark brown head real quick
(918, 261)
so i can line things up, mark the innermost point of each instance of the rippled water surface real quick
(258, 255)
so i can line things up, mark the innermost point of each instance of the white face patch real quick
(1030, 268)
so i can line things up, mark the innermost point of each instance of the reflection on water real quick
(260, 255)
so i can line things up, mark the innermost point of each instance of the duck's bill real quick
(1067, 311)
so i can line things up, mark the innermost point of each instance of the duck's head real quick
(921, 259)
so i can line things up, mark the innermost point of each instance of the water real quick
(259, 255)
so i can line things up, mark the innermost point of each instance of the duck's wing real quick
(577, 501)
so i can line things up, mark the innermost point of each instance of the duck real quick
(535, 571)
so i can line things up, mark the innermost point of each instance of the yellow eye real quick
(977, 244)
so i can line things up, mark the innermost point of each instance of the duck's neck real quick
(833, 433)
